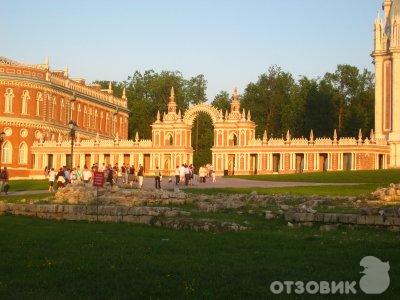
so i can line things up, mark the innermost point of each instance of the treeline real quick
(342, 100)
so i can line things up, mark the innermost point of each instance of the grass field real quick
(337, 190)
(376, 176)
(53, 259)
(28, 185)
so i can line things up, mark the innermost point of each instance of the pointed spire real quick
(265, 136)
(372, 135)
(244, 114)
(158, 115)
(360, 136)
(47, 62)
(110, 91)
(288, 136)
(179, 115)
(124, 94)
(66, 71)
(335, 136)
(226, 115)
(311, 136)
(248, 115)
(235, 94)
(172, 95)
(137, 137)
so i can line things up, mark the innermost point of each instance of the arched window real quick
(169, 140)
(39, 99)
(8, 101)
(6, 153)
(24, 102)
(233, 140)
(23, 153)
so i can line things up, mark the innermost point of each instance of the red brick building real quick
(37, 104)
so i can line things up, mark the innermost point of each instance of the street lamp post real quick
(2, 136)
(72, 129)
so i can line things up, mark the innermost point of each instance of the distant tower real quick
(386, 56)
(172, 103)
(235, 104)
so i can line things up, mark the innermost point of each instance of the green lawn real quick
(337, 190)
(60, 259)
(24, 198)
(377, 176)
(28, 185)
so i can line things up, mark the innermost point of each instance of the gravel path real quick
(220, 183)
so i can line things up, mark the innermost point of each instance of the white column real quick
(378, 95)
(82, 160)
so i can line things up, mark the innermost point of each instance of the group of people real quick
(126, 174)
(112, 174)
(187, 175)
(4, 184)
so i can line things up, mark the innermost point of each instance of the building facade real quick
(34, 116)
(386, 56)
(38, 103)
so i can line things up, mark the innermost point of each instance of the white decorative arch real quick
(24, 102)
(193, 112)
(6, 152)
(39, 99)
(8, 101)
(23, 153)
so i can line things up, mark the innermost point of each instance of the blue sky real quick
(230, 42)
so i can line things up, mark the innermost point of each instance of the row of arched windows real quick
(7, 151)
(25, 97)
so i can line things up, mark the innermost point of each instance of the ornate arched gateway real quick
(233, 132)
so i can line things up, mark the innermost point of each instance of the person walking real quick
(131, 175)
(177, 175)
(187, 175)
(140, 176)
(52, 179)
(4, 181)
(157, 178)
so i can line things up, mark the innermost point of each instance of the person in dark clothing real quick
(157, 178)
(110, 176)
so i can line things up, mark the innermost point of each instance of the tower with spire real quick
(386, 56)
(171, 103)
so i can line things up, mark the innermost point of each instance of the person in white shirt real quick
(182, 173)
(52, 178)
(86, 175)
(187, 175)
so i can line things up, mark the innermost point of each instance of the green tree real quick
(221, 101)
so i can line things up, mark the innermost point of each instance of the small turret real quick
(311, 137)
(248, 115)
(47, 63)
(66, 72)
(360, 135)
(172, 103)
(235, 104)
(110, 91)
(378, 27)
(124, 94)
(335, 136)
